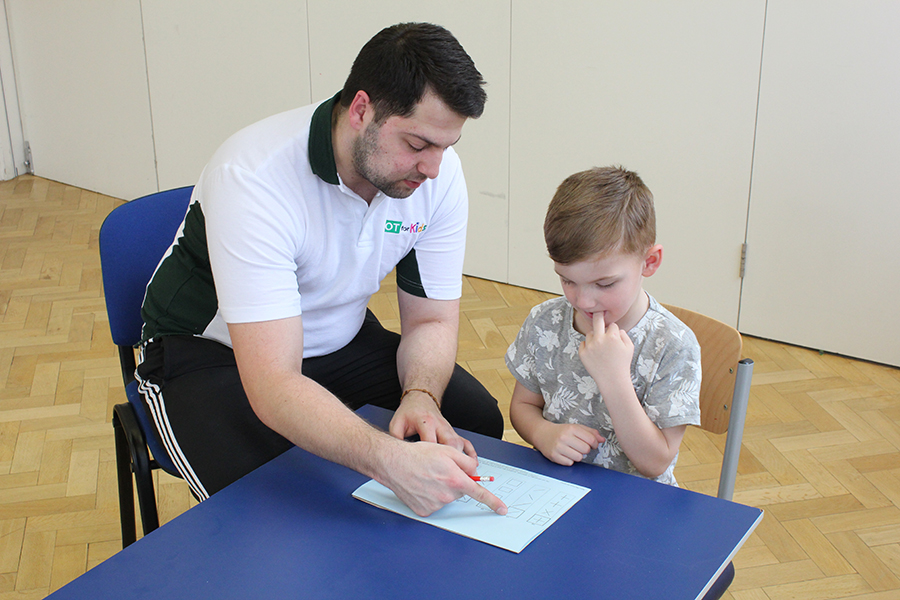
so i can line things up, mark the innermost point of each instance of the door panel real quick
(822, 269)
(666, 89)
(82, 84)
(216, 69)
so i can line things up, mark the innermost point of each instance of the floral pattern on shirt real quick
(665, 372)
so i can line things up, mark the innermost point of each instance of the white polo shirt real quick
(284, 236)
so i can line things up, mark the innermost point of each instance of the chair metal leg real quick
(735, 428)
(123, 474)
(138, 462)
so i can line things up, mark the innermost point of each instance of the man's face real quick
(397, 155)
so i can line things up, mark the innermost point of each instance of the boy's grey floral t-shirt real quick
(665, 371)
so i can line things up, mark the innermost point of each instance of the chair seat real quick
(153, 442)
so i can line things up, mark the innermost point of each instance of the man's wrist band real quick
(403, 395)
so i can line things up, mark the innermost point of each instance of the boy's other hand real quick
(567, 443)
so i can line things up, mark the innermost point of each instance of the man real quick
(256, 332)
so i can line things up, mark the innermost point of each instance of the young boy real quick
(605, 375)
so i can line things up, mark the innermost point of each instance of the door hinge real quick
(29, 165)
(743, 259)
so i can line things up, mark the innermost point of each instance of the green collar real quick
(321, 152)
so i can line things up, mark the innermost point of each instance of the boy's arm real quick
(564, 444)
(607, 353)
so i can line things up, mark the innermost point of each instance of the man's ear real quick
(360, 111)
(652, 260)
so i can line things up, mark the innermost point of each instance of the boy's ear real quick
(652, 260)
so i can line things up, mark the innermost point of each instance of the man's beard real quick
(365, 148)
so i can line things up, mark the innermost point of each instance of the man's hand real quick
(426, 476)
(566, 443)
(418, 414)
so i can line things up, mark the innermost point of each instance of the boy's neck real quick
(636, 312)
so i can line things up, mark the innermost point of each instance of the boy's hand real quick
(567, 443)
(606, 353)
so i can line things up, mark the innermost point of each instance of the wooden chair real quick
(725, 390)
(724, 394)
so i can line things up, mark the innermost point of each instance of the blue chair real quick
(133, 238)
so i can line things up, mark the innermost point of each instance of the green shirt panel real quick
(181, 299)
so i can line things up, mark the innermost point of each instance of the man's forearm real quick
(310, 417)
(268, 356)
(427, 355)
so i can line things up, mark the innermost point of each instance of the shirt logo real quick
(399, 227)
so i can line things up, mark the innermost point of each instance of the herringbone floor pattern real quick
(821, 450)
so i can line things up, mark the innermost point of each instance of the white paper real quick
(535, 502)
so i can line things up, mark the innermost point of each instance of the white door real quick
(823, 269)
(83, 93)
(12, 144)
(216, 68)
(667, 89)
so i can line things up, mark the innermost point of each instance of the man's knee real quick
(467, 404)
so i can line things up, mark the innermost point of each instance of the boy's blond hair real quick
(599, 211)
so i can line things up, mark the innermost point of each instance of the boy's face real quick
(611, 284)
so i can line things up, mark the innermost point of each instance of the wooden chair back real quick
(720, 348)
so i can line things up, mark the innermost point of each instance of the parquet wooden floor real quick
(821, 449)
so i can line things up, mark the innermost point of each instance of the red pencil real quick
(480, 478)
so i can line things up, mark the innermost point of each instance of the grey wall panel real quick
(83, 93)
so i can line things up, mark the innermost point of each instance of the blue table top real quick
(291, 529)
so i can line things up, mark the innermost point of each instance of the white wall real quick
(823, 269)
(12, 143)
(212, 72)
(212, 68)
(665, 89)
(83, 93)
(130, 96)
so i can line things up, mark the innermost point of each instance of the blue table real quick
(291, 529)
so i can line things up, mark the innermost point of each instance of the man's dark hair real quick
(397, 66)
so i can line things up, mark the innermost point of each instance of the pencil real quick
(479, 478)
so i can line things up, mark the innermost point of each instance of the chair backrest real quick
(720, 351)
(725, 387)
(133, 238)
